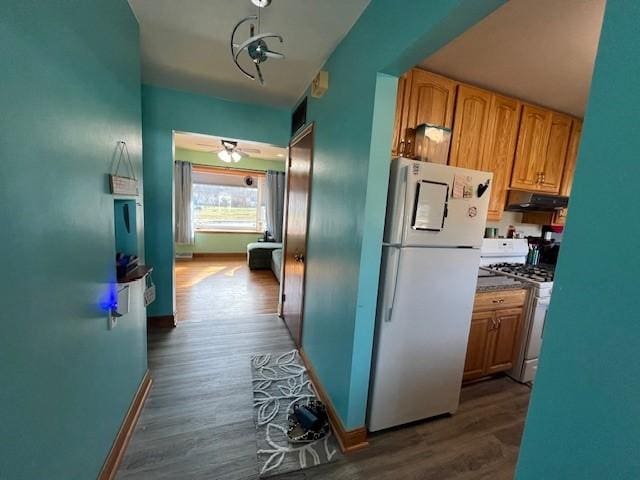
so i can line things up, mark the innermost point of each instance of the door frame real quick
(306, 130)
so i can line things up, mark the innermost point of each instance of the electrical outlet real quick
(113, 320)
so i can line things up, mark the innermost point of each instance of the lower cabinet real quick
(495, 332)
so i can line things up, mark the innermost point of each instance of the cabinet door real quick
(470, 126)
(499, 150)
(402, 105)
(430, 101)
(572, 156)
(503, 341)
(556, 153)
(528, 166)
(474, 364)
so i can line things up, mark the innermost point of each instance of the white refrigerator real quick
(435, 223)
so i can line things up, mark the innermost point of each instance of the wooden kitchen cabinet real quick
(495, 333)
(503, 339)
(556, 153)
(426, 98)
(559, 218)
(485, 129)
(471, 122)
(528, 165)
(402, 105)
(572, 157)
(500, 146)
(474, 363)
(541, 151)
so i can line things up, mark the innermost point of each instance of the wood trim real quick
(307, 130)
(110, 466)
(349, 440)
(210, 230)
(162, 321)
(221, 255)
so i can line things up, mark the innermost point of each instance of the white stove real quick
(508, 257)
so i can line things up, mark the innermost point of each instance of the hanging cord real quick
(124, 152)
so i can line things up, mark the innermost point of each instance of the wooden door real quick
(431, 100)
(470, 127)
(528, 166)
(402, 105)
(295, 243)
(474, 364)
(504, 336)
(555, 153)
(572, 157)
(499, 150)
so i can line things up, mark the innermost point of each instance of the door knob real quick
(298, 257)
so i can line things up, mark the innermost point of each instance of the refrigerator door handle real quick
(396, 271)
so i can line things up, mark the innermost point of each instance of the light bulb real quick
(224, 156)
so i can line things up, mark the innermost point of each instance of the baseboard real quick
(162, 321)
(349, 440)
(231, 255)
(119, 446)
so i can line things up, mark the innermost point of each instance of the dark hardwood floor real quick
(224, 287)
(197, 422)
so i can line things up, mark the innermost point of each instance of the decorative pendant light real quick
(255, 46)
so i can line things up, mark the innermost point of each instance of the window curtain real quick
(182, 188)
(274, 203)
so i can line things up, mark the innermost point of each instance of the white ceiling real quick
(542, 51)
(209, 143)
(185, 44)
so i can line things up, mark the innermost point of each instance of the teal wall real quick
(584, 416)
(223, 242)
(70, 90)
(163, 112)
(354, 122)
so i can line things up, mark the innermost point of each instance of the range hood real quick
(521, 201)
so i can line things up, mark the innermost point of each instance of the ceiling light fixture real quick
(228, 154)
(255, 45)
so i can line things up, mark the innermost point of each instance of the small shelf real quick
(137, 273)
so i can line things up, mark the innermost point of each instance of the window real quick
(222, 201)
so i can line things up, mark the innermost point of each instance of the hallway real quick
(197, 422)
(222, 286)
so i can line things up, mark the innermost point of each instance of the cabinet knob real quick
(500, 300)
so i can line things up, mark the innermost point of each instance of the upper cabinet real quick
(500, 146)
(402, 104)
(426, 98)
(529, 161)
(572, 156)
(485, 129)
(525, 147)
(471, 125)
(542, 148)
(555, 153)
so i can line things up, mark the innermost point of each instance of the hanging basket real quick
(121, 185)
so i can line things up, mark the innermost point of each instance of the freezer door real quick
(422, 329)
(436, 205)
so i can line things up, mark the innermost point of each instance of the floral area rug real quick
(279, 381)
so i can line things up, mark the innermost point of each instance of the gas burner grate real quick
(538, 273)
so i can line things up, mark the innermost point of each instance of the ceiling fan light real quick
(261, 3)
(236, 156)
(224, 156)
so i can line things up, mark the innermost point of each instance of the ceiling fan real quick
(255, 46)
(230, 152)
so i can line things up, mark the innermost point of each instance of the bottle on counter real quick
(511, 232)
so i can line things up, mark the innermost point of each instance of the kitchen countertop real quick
(490, 281)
